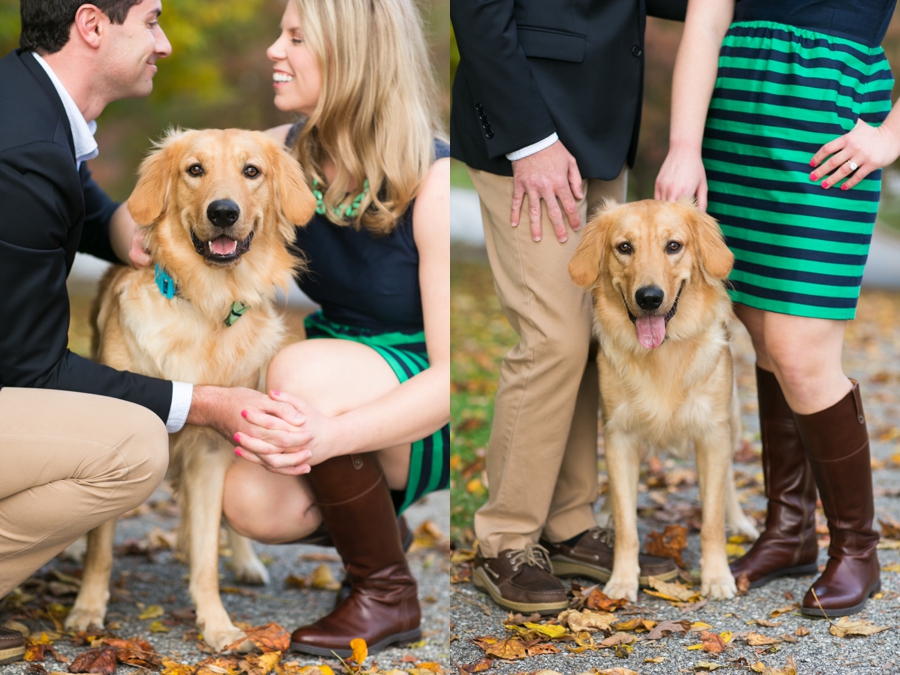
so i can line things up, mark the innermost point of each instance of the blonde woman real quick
(370, 385)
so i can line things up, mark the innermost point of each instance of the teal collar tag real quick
(164, 282)
(237, 311)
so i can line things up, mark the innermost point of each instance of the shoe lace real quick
(606, 535)
(533, 555)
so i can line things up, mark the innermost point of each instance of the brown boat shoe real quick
(521, 580)
(12, 646)
(592, 557)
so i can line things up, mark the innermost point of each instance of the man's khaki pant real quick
(69, 462)
(542, 456)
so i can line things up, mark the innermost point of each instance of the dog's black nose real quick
(223, 213)
(649, 297)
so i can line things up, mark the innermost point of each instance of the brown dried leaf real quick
(221, 665)
(269, 638)
(586, 620)
(479, 666)
(510, 649)
(665, 628)
(767, 624)
(615, 671)
(743, 584)
(783, 610)
(134, 652)
(542, 648)
(845, 626)
(427, 535)
(674, 591)
(598, 601)
(712, 642)
(102, 661)
(668, 544)
(618, 639)
(801, 631)
(760, 640)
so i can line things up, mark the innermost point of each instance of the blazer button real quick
(479, 107)
(488, 134)
(636, 50)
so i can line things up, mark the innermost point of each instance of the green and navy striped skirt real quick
(429, 466)
(781, 93)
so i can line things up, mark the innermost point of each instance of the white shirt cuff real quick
(182, 392)
(533, 148)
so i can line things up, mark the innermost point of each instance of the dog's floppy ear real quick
(587, 261)
(150, 196)
(294, 196)
(716, 260)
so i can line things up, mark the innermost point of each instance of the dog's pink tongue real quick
(651, 331)
(223, 245)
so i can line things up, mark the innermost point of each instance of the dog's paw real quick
(220, 637)
(616, 589)
(82, 618)
(744, 528)
(718, 587)
(251, 572)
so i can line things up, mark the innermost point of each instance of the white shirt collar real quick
(82, 131)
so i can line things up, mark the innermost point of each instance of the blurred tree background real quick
(218, 76)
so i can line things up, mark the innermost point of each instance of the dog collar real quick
(164, 282)
(166, 285)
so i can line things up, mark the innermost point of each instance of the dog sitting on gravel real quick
(219, 208)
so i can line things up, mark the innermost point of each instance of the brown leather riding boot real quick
(383, 606)
(788, 544)
(837, 444)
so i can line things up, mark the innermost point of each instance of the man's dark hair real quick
(46, 23)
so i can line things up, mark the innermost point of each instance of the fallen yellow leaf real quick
(360, 650)
(547, 629)
(152, 612)
(846, 626)
(323, 578)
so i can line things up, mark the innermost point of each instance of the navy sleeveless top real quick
(863, 21)
(361, 279)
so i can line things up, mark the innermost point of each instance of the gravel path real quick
(872, 356)
(140, 581)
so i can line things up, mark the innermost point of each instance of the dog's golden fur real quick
(186, 339)
(673, 392)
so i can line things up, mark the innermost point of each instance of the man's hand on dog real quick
(269, 432)
(549, 175)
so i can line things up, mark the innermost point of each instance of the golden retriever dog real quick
(218, 209)
(662, 316)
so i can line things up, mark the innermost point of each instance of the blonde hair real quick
(376, 116)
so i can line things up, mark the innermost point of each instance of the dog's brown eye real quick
(673, 247)
(195, 170)
(251, 171)
(624, 247)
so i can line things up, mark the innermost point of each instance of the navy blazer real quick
(48, 211)
(529, 68)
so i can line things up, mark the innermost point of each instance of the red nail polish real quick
(813, 176)
(276, 393)
(812, 162)
(238, 452)
(244, 414)
(824, 184)
(237, 438)
(845, 187)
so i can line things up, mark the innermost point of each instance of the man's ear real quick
(89, 25)
(587, 261)
(150, 196)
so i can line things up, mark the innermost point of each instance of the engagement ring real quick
(853, 165)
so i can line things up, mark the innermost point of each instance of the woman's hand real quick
(682, 174)
(866, 147)
(286, 447)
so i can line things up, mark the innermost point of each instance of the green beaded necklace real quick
(342, 210)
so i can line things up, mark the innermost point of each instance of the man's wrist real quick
(533, 148)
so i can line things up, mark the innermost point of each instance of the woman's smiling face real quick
(297, 78)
